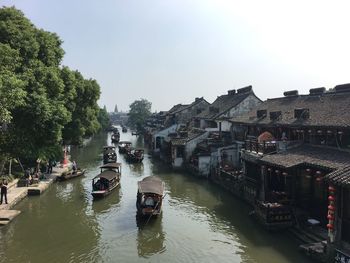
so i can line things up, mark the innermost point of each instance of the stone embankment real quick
(16, 194)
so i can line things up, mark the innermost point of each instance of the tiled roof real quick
(309, 155)
(223, 104)
(340, 177)
(183, 140)
(177, 108)
(328, 109)
(187, 106)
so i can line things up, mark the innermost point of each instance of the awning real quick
(109, 175)
(151, 184)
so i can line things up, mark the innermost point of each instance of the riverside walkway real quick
(16, 194)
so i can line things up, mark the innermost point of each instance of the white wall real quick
(177, 162)
(204, 165)
(191, 145)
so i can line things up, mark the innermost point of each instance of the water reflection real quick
(150, 236)
(200, 221)
(106, 204)
(137, 168)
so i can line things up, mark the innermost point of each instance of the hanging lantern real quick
(318, 172)
(331, 208)
(308, 176)
(319, 131)
(331, 188)
(277, 171)
(269, 169)
(330, 217)
(285, 173)
(330, 226)
(329, 132)
(331, 198)
(340, 132)
(308, 170)
(310, 131)
(318, 179)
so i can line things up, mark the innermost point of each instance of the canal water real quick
(200, 221)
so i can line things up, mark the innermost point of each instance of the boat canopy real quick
(108, 175)
(109, 148)
(124, 142)
(110, 166)
(151, 184)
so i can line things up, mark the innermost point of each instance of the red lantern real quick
(331, 198)
(331, 188)
(331, 208)
(330, 226)
(330, 217)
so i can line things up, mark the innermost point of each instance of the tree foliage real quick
(43, 103)
(103, 118)
(139, 111)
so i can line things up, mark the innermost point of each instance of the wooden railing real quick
(260, 147)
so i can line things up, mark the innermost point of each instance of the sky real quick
(171, 51)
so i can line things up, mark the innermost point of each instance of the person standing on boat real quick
(74, 166)
(3, 185)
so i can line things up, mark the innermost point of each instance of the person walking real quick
(3, 186)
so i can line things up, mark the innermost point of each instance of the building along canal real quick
(200, 221)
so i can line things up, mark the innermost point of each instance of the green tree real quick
(43, 103)
(139, 111)
(84, 122)
(103, 118)
(30, 76)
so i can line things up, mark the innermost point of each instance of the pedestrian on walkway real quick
(3, 186)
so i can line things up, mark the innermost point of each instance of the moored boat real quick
(135, 155)
(71, 174)
(273, 216)
(150, 195)
(109, 154)
(124, 129)
(115, 137)
(124, 146)
(107, 180)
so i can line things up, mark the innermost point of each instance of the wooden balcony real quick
(260, 148)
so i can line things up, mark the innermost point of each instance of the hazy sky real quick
(171, 51)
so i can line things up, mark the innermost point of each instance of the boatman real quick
(74, 166)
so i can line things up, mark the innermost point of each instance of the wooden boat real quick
(124, 146)
(124, 129)
(135, 156)
(109, 154)
(71, 174)
(273, 216)
(107, 180)
(115, 137)
(150, 195)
